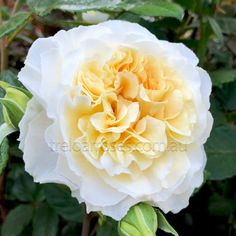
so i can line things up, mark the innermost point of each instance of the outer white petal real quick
(30, 75)
(194, 177)
(176, 202)
(206, 86)
(117, 211)
(117, 27)
(198, 83)
(138, 187)
(40, 160)
(33, 108)
(176, 199)
(179, 50)
(93, 189)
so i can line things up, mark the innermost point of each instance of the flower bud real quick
(141, 220)
(94, 17)
(14, 103)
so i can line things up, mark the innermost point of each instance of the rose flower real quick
(117, 115)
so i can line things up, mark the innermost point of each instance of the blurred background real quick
(208, 27)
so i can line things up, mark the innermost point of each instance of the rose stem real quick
(86, 224)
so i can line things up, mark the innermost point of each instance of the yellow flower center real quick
(138, 105)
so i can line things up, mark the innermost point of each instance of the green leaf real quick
(13, 110)
(228, 96)
(190, 5)
(20, 185)
(227, 25)
(15, 22)
(223, 76)
(220, 205)
(59, 198)
(17, 89)
(4, 148)
(17, 219)
(144, 7)
(217, 113)
(5, 130)
(10, 77)
(44, 7)
(14, 103)
(155, 8)
(71, 229)
(108, 228)
(45, 221)
(13, 94)
(24, 189)
(221, 152)
(164, 224)
(216, 28)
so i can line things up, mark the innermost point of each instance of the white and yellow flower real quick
(117, 115)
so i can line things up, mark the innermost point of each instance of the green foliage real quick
(5, 130)
(10, 77)
(223, 76)
(14, 103)
(146, 7)
(155, 8)
(221, 151)
(221, 205)
(4, 147)
(228, 96)
(16, 220)
(227, 25)
(216, 28)
(59, 198)
(25, 190)
(108, 227)
(43, 7)
(45, 221)
(12, 111)
(14, 23)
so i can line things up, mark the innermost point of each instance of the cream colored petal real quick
(152, 141)
(111, 166)
(180, 124)
(33, 108)
(180, 167)
(160, 168)
(40, 160)
(175, 105)
(93, 189)
(117, 211)
(125, 116)
(136, 186)
(128, 85)
(71, 111)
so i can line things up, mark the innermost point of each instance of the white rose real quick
(117, 115)
(94, 17)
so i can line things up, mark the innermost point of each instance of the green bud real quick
(141, 220)
(14, 103)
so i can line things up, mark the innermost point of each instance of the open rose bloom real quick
(117, 115)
